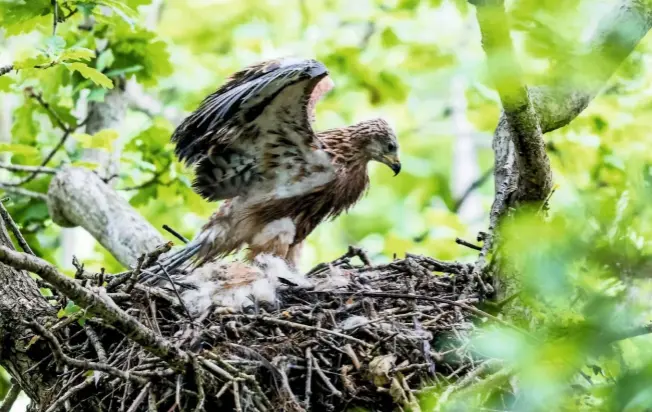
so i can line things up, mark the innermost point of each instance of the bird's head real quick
(379, 142)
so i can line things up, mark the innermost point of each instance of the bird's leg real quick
(294, 255)
(274, 239)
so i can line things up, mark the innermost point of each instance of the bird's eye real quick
(391, 147)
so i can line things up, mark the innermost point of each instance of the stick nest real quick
(373, 343)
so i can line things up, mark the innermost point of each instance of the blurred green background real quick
(420, 65)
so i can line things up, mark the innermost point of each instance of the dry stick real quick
(140, 398)
(10, 398)
(133, 278)
(84, 364)
(309, 378)
(14, 229)
(102, 307)
(306, 327)
(236, 396)
(151, 401)
(216, 369)
(434, 299)
(177, 393)
(176, 292)
(467, 244)
(199, 381)
(476, 184)
(323, 377)
(69, 394)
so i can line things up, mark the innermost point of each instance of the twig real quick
(67, 131)
(69, 394)
(23, 192)
(176, 292)
(632, 333)
(6, 69)
(14, 229)
(476, 184)
(140, 398)
(306, 403)
(103, 308)
(23, 168)
(10, 398)
(236, 396)
(151, 401)
(323, 377)
(301, 326)
(434, 299)
(84, 364)
(176, 234)
(199, 381)
(95, 342)
(55, 18)
(467, 244)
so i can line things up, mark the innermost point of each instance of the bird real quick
(252, 146)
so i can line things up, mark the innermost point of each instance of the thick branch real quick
(532, 163)
(78, 197)
(571, 88)
(102, 306)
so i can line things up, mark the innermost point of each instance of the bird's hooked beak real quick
(393, 162)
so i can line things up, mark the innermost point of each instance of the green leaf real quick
(97, 95)
(85, 164)
(31, 62)
(70, 309)
(54, 45)
(389, 38)
(77, 53)
(5, 83)
(92, 74)
(21, 17)
(105, 60)
(101, 140)
(17, 148)
(125, 12)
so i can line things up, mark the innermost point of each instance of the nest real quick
(373, 343)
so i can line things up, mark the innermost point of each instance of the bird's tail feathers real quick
(171, 263)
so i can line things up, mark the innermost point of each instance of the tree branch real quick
(6, 69)
(570, 89)
(532, 163)
(23, 192)
(78, 197)
(23, 168)
(102, 306)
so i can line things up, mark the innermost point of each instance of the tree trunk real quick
(20, 300)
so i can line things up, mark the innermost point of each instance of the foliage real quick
(419, 64)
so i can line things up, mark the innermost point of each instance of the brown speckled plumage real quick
(252, 143)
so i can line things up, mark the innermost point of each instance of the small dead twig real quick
(140, 398)
(84, 364)
(14, 229)
(467, 244)
(176, 292)
(323, 376)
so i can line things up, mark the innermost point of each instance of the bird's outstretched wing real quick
(254, 134)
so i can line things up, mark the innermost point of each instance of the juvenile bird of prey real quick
(252, 144)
